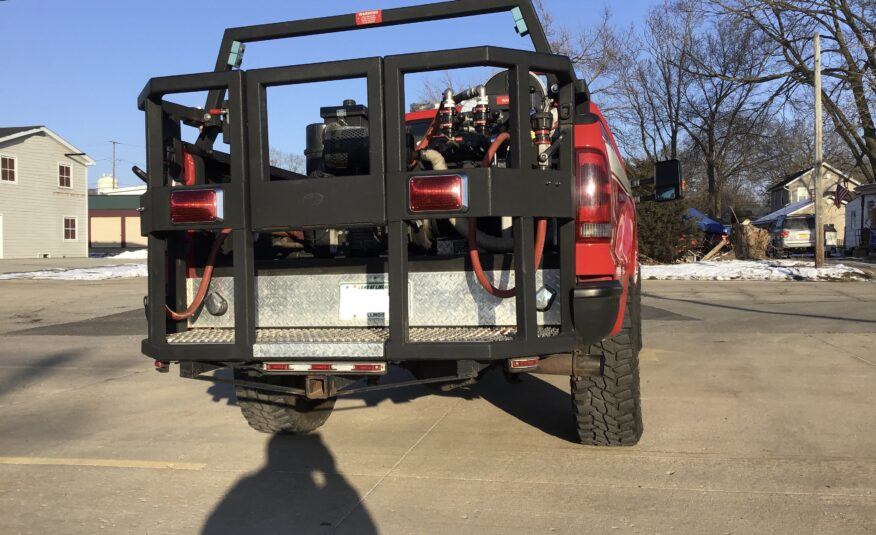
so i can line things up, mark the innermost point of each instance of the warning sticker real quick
(503, 100)
(364, 18)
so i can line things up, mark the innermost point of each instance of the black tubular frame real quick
(255, 203)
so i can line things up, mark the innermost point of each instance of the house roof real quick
(10, 130)
(787, 210)
(791, 178)
(788, 179)
(867, 189)
(9, 133)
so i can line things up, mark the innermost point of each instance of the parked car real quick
(796, 234)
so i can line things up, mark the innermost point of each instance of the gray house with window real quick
(43, 195)
(800, 186)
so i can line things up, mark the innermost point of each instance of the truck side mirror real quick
(668, 181)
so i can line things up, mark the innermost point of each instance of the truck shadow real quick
(533, 401)
(298, 490)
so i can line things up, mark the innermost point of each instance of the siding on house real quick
(860, 214)
(34, 207)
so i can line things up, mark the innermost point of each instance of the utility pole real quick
(115, 179)
(816, 172)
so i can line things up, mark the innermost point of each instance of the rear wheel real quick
(273, 412)
(607, 408)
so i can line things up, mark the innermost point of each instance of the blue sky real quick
(77, 67)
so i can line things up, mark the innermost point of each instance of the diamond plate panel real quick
(452, 298)
(353, 342)
(202, 336)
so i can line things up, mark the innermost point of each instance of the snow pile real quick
(771, 270)
(123, 271)
(137, 254)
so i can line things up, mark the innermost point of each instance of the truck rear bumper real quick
(595, 308)
(594, 305)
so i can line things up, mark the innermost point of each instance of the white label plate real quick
(364, 301)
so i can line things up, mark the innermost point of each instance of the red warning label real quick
(364, 18)
(503, 100)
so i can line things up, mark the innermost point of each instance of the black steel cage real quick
(255, 203)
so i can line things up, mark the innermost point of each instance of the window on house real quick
(65, 179)
(802, 194)
(69, 229)
(7, 169)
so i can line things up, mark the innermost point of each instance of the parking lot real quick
(759, 408)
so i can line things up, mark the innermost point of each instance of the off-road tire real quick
(272, 412)
(607, 408)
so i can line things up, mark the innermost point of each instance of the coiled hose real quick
(540, 234)
(205, 280)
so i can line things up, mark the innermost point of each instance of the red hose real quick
(540, 234)
(494, 147)
(205, 281)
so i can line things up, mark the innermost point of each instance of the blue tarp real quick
(704, 222)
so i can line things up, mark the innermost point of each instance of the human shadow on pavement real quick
(298, 490)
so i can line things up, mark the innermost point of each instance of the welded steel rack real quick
(255, 203)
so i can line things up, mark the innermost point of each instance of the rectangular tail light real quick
(196, 206)
(438, 193)
(594, 187)
(523, 363)
(352, 368)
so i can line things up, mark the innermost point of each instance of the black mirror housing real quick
(668, 181)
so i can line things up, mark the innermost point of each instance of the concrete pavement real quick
(758, 399)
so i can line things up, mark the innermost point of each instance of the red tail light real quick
(785, 234)
(368, 367)
(439, 193)
(594, 196)
(522, 363)
(363, 368)
(196, 206)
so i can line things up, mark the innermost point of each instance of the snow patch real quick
(138, 254)
(123, 271)
(769, 270)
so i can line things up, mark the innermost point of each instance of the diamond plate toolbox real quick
(437, 299)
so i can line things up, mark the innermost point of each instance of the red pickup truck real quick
(494, 229)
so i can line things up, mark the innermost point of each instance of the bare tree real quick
(287, 160)
(654, 83)
(723, 116)
(596, 52)
(848, 28)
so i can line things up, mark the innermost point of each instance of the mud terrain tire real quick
(607, 408)
(272, 412)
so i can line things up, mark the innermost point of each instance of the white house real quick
(861, 218)
(43, 195)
